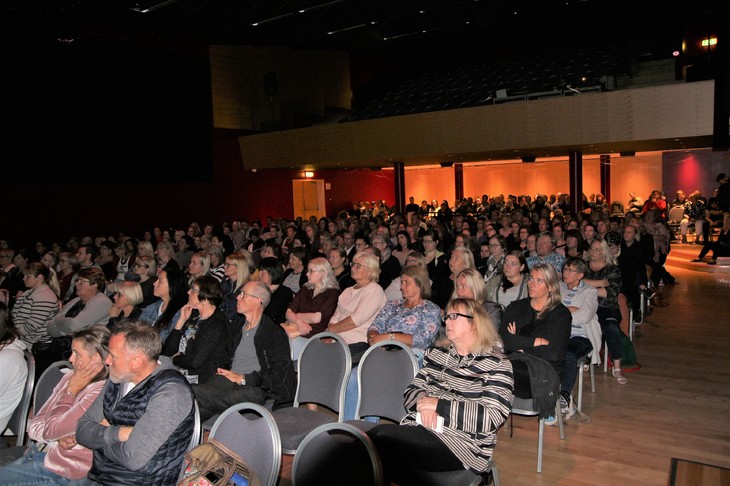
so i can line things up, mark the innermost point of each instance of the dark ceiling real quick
(347, 24)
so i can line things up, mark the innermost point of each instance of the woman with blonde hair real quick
(473, 400)
(538, 325)
(165, 256)
(145, 248)
(237, 273)
(126, 300)
(312, 307)
(604, 275)
(469, 284)
(357, 306)
(199, 266)
(35, 307)
(443, 285)
(145, 267)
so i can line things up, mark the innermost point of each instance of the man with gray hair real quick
(261, 368)
(142, 422)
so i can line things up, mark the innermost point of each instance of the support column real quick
(459, 181)
(575, 167)
(400, 187)
(606, 177)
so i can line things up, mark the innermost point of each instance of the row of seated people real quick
(537, 325)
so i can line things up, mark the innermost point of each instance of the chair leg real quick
(495, 475)
(540, 433)
(593, 378)
(605, 358)
(580, 385)
(560, 420)
(631, 324)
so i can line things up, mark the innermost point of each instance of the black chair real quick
(337, 453)
(384, 372)
(463, 477)
(323, 369)
(251, 431)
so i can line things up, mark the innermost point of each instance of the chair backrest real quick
(254, 435)
(385, 370)
(676, 213)
(48, 381)
(18, 421)
(337, 451)
(323, 369)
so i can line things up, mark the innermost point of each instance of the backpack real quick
(213, 464)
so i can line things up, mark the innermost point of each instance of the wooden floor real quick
(687, 473)
(676, 406)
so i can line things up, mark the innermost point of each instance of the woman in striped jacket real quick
(456, 403)
(35, 307)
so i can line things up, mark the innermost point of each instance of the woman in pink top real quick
(55, 457)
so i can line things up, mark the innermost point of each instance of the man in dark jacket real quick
(262, 368)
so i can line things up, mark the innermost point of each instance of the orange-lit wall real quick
(513, 178)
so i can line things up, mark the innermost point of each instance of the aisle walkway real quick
(677, 405)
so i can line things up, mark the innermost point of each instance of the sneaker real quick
(564, 401)
(571, 409)
(551, 420)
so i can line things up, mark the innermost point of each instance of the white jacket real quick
(12, 380)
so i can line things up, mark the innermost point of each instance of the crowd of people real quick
(505, 286)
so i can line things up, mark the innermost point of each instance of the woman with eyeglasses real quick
(237, 273)
(145, 267)
(171, 290)
(68, 265)
(312, 307)
(126, 300)
(538, 325)
(197, 343)
(464, 392)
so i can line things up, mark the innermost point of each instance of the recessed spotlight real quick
(254, 24)
(302, 11)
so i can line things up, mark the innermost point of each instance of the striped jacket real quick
(33, 311)
(475, 397)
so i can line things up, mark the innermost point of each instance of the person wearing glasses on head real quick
(465, 390)
(197, 343)
(538, 325)
(126, 298)
(145, 267)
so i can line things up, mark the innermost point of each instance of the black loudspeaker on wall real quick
(271, 84)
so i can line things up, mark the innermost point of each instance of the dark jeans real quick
(218, 393)
(719, 248)
(610, 318)
(577, 348)
(414, 447)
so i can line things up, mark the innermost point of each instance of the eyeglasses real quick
(312, 270)
(194, 290)
(83, 281)
(357, 265)
(229, 264)
(569, 270)
(494, 245)
(455, 315)
(246, 294)
(428, 241)
(141, 265)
